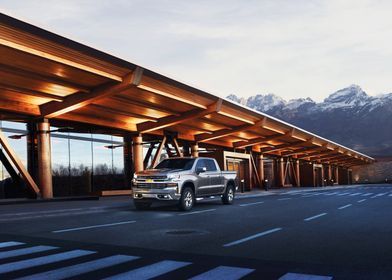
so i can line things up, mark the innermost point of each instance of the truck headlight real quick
(173, 177)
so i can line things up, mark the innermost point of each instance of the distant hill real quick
(349, 117)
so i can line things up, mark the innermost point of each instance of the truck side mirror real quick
(201, 170)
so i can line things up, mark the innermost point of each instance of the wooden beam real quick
(158, 152)
(325, 155)
(19, 107)
(41, 78)
(316, 154)
(224, 132)
(79, 100)
(18, 164)
(148, 155)
(31, 92)
(177, 147)
(173, 120)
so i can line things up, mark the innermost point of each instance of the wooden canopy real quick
(44, 75)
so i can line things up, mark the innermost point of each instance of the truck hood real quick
(159, 172)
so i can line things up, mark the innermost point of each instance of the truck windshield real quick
(178, 163)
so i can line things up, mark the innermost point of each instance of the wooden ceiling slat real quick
(15, 106)
(173, 120)
(120, 112)
(31, 92)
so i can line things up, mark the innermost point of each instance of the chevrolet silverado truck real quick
(183, 180)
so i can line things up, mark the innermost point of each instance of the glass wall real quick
(81, 162)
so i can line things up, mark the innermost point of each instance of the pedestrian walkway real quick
(19, 260)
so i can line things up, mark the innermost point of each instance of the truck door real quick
(203, 178)
(216, 178)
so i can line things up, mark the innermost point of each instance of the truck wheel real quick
(187, 199)
(142, 205)
(228, 196)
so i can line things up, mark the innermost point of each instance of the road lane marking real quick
(196, 212)
(95, 226)
(80, 268)
(252, 237)
(362, 200)
(252, 203)
(343, 193)
(286, 198)
(333, 193)
(355, 194)
(315, 217)
(25, 251)
(224, 272)
(10, 244)
(29, 263)
(378, 195)
(150, 271)
(345, 206)
(390, 194)
(296, 276)
(367, 194)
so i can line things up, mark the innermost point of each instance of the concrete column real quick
(44, 160)
(186, 150)
(260, 170)
(137, 151)
(337, 175)
(298, 173)
(195, 150)
(281, 172)
(323, 183)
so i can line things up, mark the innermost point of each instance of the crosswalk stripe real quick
(343, 194)
(150, 271)
(10, 244)
(355, 194)
(333, 193)
(81, 268)
(297, 276)
(18, 265)
(25, 251)
(223, 272)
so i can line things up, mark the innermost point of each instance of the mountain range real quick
(348, 116)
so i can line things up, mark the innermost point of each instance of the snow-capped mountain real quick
(348, 116)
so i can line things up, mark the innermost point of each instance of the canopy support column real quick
(44, 159)
(195, 150)
(137, 151)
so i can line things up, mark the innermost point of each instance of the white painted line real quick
(390, 194)
(29, 263)
(333, 193)
(10, 244)
(252, 237)
(315, 217)
(149, 271)
(343, 193)
(345, 206)
(95, 226)
(223, 272)
(80, 268)
(286, 198)
(362, 200)
(25, 251)
(355, 194)
(378, 195)
(367, 194)
(196, 212)
(296, 276)
(252, 203)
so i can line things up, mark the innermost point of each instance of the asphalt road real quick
(339, 233)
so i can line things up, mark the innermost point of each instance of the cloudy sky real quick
(293, 48)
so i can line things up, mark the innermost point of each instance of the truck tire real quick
(187, 199)
(228, 195)
(142, 205)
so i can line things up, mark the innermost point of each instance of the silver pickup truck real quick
(183, 180)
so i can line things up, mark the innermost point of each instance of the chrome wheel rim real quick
(188, 199)
(230, 194)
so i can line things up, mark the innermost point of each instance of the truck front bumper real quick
(156, 194)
